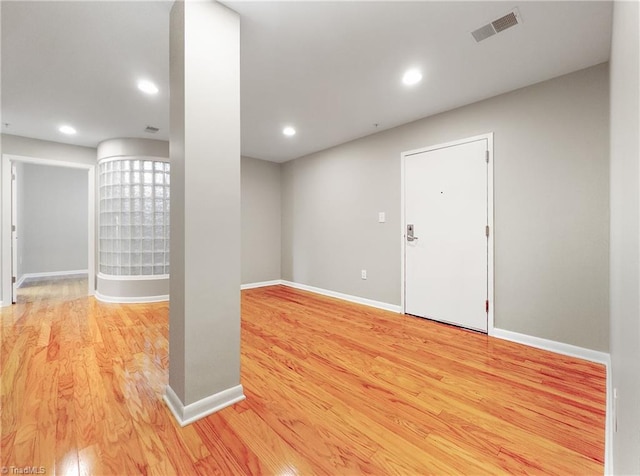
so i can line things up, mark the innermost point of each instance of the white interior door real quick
(446, 261)
(14, 235)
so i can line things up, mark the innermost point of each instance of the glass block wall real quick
(134, 217)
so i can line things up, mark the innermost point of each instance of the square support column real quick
(204, 317)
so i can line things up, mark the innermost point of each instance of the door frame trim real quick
(490, 205)
(5, 226)
(15, 231)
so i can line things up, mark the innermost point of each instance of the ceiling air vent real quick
(151, 129)
(496, 26)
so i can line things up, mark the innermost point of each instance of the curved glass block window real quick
(134, 217)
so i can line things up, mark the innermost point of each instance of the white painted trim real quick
(26, 276)
(5, 239)
(131, 300)
(202, 408)
(50, 162)
(5, 228)
(553, 346)
(49, 274)
(491, 243)
(15, 231)
(444, 145)
(138, 277)
(261, 284)
(91, 262)
(154, 158)
(345, 297)
(403, 226)
(490, 205)
(325, 292)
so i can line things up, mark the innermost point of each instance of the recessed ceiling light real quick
(147, 87)
(67, 130)
(411, 77)
(289, 131)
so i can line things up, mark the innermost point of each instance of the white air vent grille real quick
(151, 129)
(496, 26)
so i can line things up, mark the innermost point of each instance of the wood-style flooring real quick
(332, 388)
(59, 288)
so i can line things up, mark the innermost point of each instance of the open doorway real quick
(50, 232)
(48, 229)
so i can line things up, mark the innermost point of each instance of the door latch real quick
(410, 235)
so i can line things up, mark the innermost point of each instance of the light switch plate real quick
(382, 217)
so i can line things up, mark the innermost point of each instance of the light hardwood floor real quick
(332, 388)
(60, 288)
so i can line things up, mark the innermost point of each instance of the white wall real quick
(53, 224)
(551, 232)
(42, 149)
(625, 234)
(261, 211)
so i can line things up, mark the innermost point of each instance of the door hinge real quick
(487, 156)
(13, 176)
(486, 231)
(486, 306)
(13, 280)
(13, 228)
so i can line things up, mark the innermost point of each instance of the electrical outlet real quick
(363, 274)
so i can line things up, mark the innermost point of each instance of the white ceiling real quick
(331, 69)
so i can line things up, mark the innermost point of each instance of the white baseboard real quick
(131, 300)
(202, 408)
(345, 297)
(21, 280)
(553, 346)
(50, 274)
(261, 284)
(137, 277)
(325, 292)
